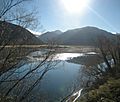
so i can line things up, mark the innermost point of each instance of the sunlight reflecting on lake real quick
(66, 56)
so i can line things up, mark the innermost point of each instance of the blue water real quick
(58, 82)
(55, 84)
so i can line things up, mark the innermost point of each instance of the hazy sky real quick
(104, 14)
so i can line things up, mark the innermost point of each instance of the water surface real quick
(55, 84)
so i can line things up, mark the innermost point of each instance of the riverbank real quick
(108, 92)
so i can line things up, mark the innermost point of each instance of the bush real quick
(108, 92)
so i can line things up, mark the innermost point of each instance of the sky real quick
(53, 15)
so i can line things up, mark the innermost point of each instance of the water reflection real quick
(66, 56)
(56, 82)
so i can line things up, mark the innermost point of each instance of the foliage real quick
(108, 92)
(7, 99)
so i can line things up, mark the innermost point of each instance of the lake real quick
(57, 82)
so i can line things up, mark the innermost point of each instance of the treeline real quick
(103, 84)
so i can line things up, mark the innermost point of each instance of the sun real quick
(75, 6)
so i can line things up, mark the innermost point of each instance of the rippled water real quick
(55, 84)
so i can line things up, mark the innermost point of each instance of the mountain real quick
(88, 36)
(84, 36)
(50, 36)
(15, 34)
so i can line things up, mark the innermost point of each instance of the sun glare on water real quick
(75, 6)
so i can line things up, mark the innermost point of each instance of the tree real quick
(96, 75)
(11, 59)
(10, 11)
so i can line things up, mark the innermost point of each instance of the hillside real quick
(81, 36)
(84, 36)
(14, 34)
(50, 36)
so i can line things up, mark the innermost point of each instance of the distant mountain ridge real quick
(15, 34)
(81, 36)
(50, 36)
